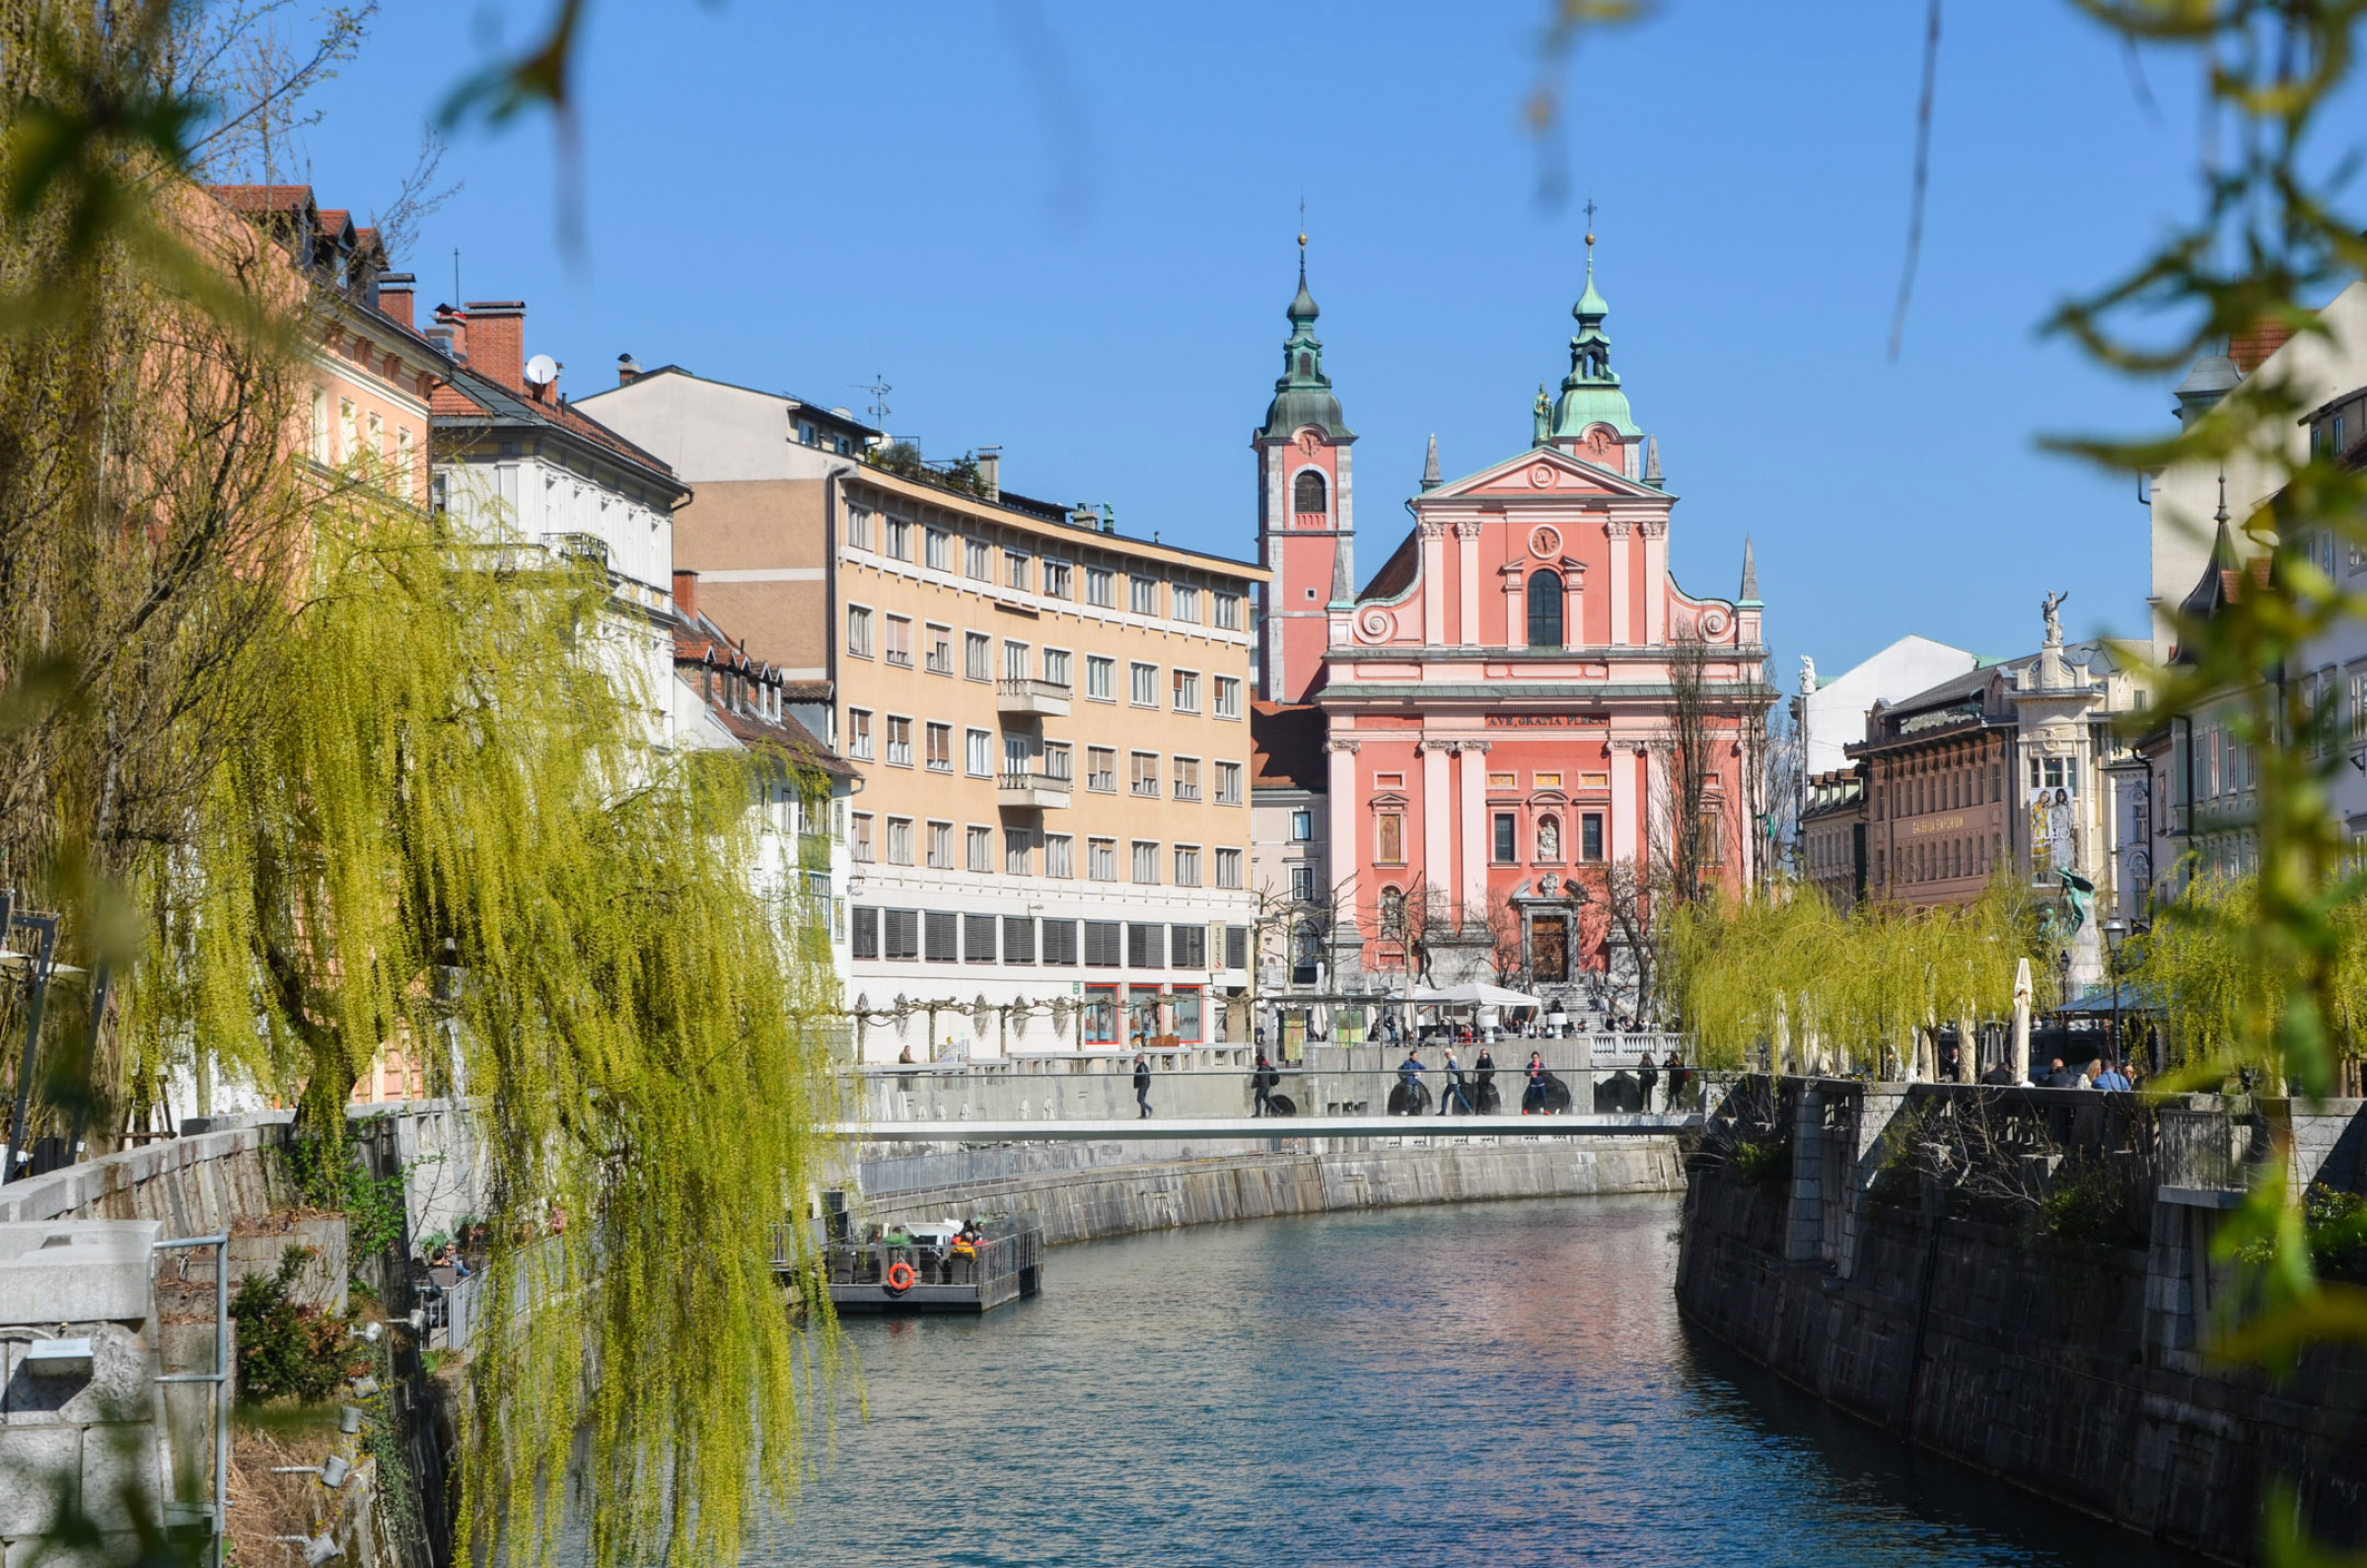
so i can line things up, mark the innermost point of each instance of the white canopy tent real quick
(1478, 994)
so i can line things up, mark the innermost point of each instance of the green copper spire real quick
(1589, 393)
(1303, 393)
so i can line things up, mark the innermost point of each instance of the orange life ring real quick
(899, 1277)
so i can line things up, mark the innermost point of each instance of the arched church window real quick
(1306, 364)
(1307, 492)
(1545, 609)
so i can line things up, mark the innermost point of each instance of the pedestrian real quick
(1261, 1087)
(1679, 1077)
(1533, 1093)
(1409, 1094)
(1999, 1076)
(1142, 1085)
(2110, 1078)
(2059, 1077)
(1452, 1094)
(1483, 1075)
(1647, 1077)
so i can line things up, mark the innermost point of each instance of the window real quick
(939, 546)
(978, 938)
(975, 663)
(858, 733)
(940, 645)
(1014, 571)
(1018, 852)
(1100, 679)
(1228, 868)
(1183, 689)
(1228, 612)
(899, 933)
(1146, 863)
(941, 934)
(1055, 579)
(941, 747)
(1307, 492)
(1105, 944)
(1228, 697)
(858, 529)
(1055, 665)
(978, 561)
(1015, 660)
(1015, 754)
(402, 456)
(1507, 845)
(807, 434)
(1302, 884)
(1100, 586)
(900, 641)
(1187, 947)
(1237, 947)
(899, 840)
(1057, 761)
(1061, 942)
(861, 849)
(1142, 774)
(1187, 778)
(900, 540)
(1100, 769)
(858, 631)
(1019, 939)
(1545, 609)
(1142, 685)
(1302, 826)
(1142, 594)
(1185, 603)
(1187, 866)
(1228, 783)
(348, 439)
(867, 933)
(979, 850)
(320, 426)
(978, 752)
(941, 845)
(377, 447)
(1146, 946)
(1389, 838)
(1059, 855)
(1590, 836)
(1101, 859)
(900, 742)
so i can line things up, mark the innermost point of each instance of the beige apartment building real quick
(1052, 726)
(1050, 844)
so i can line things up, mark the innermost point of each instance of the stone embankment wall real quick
(1088, 1201)
(2074, 1368)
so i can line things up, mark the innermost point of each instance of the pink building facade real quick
(1500, 697)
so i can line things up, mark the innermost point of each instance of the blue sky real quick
(1069, 231)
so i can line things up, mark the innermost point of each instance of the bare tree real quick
(1691, 826)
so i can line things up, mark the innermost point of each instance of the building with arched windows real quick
(1526, 720)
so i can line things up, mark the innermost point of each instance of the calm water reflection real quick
(1499, 1382)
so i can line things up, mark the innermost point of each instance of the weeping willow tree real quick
(1844, 989)
(2198, 966)
(453, 834)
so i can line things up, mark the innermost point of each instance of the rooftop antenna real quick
(455, 275)
(878, 389)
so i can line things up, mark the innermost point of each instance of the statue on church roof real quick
(2053, 607)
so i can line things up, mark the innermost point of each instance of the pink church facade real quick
(1499, 698)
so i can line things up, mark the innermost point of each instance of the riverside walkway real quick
(1170, 1129)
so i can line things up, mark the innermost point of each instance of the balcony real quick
(1030, 787)
(1049, 698)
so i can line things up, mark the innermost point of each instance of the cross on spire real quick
(1590, 222)
(1302, 239)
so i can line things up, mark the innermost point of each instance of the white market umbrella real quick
(1478, 994)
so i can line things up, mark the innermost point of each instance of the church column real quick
(1656, 581)
(1622, 801)
(1473, 904)
(1618, 529)
(1438, 820)
(1466, 562)
(1516, 608)
(1573, 605)
(1434, 583)
(1346, 810)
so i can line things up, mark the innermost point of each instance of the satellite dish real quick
(542, 370)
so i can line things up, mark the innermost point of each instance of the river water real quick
(1501, 1383)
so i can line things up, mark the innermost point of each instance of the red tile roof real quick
(1286, 746)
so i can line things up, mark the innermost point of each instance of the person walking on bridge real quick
(1679, 1077)
(1532, 1095)
(1262, 1085)
(1453, 1094)
(1142, 1085)
(1647, 1077)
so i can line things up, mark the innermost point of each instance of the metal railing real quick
(1026, 687)
(1024, 778)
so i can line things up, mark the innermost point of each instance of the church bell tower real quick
(1306, 531)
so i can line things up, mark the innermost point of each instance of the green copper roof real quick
(1589, 393)
(1303, 393)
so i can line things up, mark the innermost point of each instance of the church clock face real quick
(1309, 441)
(1545, 542)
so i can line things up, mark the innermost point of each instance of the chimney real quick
(497, 340)
(628, 369)
(450, 333)
(990, 472)
(395, 290)
(686, 595)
